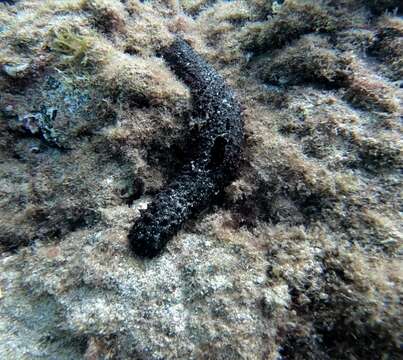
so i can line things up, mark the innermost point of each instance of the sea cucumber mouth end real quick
(144, 248)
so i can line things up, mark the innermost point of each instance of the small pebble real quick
(9, 108)
(16, 71)
(34, 150)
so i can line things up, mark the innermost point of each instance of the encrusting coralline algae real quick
(299, 255)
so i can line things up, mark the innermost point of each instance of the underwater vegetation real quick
(71, 46)
(288, 249)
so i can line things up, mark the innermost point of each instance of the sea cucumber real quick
(218, 126)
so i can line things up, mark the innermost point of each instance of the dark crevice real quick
(136, 192)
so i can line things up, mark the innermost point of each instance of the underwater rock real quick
(16, 70)
(300, 260)
(40, 124)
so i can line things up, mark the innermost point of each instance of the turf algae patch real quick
(219, 134)
(300, 261)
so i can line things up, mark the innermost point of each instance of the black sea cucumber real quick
(218, 140)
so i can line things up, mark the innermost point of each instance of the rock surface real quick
(297, 259)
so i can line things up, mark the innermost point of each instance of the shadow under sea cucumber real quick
(219, 136)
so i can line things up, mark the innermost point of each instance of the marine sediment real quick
(218, 129)
(301, 259)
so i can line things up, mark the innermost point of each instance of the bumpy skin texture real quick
(217, 147)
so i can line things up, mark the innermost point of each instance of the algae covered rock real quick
(297, 257)
(40, 124)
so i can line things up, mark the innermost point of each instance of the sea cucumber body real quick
(219, 135)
